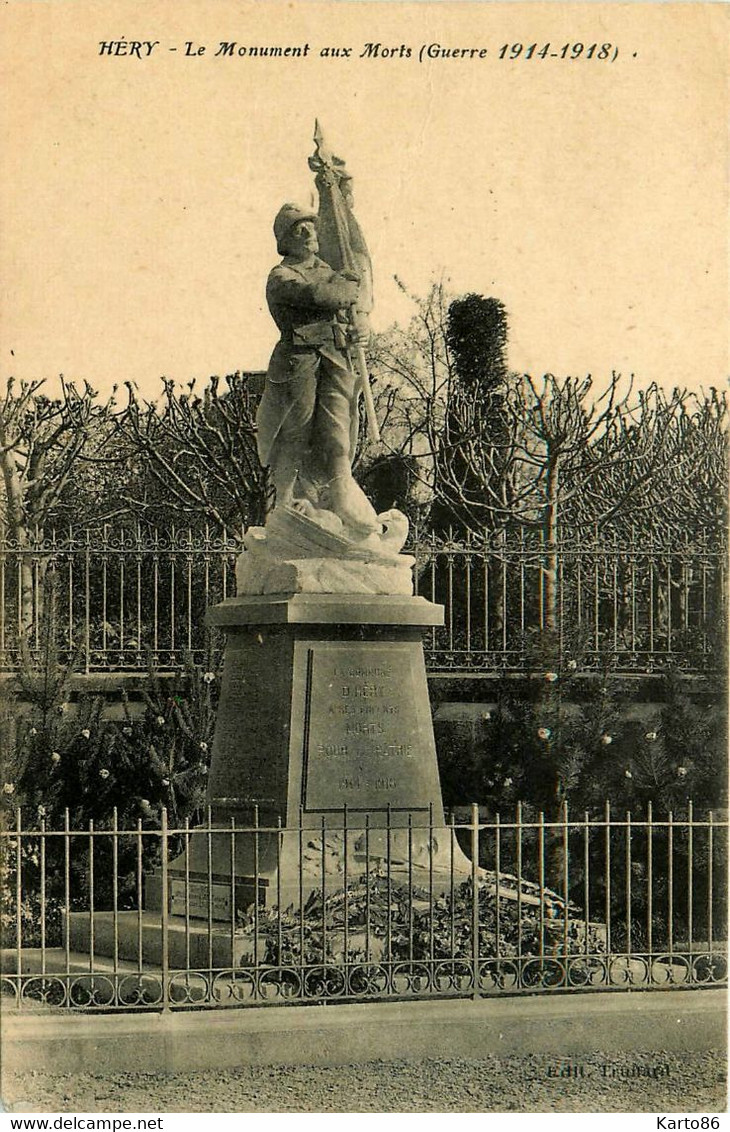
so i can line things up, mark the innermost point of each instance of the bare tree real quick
(439, 384)
(412, 383)
(551, 455)
(660, 462)
(200, 448)
(42, 443)
(571, 462)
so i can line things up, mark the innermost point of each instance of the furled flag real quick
(342, 245)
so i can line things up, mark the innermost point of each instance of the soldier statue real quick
(308, 416)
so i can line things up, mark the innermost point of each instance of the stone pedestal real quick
(324, 724)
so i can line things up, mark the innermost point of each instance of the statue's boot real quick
(347, 499)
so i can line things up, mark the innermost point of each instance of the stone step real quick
(189, 946)
(56, 961)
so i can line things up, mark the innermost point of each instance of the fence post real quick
(209, 885)
(92, 898)
(670, 881)
(165, 916)
(518, 853)
(67, 890)
(650, 882)
(498, 871)
(256, 893)
(475, 894)
(115, 895)
(43, 892)
(87, 605)
(19, 901)
(627, 873)
(2, 601)
(232, 863)
(607, 874)
(541, 886)
(710, 850)
(690, 874)
(566, 884)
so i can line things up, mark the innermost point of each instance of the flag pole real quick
(361, 370)
(355, 354)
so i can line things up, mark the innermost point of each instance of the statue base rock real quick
(305, 549)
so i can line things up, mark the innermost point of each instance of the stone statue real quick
(308, 418)
(323, 534)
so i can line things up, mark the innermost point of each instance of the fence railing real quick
(126, 598)
(501, 906)
(645, 603)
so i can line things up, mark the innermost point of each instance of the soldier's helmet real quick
(287, 216)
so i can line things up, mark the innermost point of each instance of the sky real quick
(588, 195)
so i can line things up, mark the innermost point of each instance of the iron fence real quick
(127, 598)
(108, 918)
(123, 599)
(644, 602)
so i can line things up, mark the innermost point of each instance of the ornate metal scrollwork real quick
(234, 987)
(49, 990)
(709, 969)
(325, 982)
(498, 975)
(189, 988)
(545, 973)
(367, 979)
(279, 983)
(587, 971)
(410, 978)
(10, 988)
(628, 970)
(670, 970)
(90, 991)
(139, 990)
(453, 976)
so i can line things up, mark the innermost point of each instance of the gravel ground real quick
(640, 1082)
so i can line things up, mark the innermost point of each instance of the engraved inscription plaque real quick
(367, 735)
(197, 900)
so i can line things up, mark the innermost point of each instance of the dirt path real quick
(641, 1082)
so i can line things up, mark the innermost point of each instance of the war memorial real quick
(324, 867)
(324, 724)
(324, 762)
